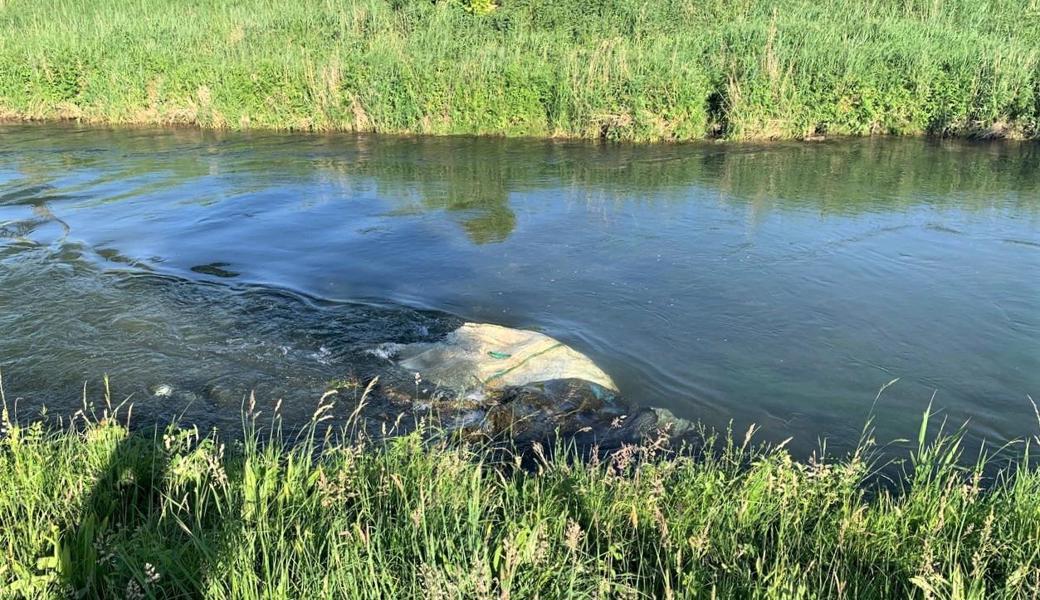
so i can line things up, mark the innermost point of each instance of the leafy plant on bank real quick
(94, 510)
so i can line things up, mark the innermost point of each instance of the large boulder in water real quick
(481, 355)
(495, 381)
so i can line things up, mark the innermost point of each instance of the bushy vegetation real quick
(616, 69)
(92, 510)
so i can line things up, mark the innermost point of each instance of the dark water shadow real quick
(152, 525)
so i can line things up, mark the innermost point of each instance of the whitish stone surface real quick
(491, 356)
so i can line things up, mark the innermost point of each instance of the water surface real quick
(778, 284)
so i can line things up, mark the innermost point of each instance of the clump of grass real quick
(614, 69)
(95, 510)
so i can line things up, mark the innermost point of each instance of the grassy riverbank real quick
(619, 69)
(95, 510)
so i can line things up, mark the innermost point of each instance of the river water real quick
(779, 284)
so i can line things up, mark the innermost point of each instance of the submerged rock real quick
(162, 390)
(492, 381)
(568, 407)
(539, 412)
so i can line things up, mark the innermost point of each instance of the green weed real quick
(92, 510)
(610, 69)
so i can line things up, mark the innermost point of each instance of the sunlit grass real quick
(617, 69)
(94, 510)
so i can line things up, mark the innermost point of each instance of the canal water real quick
(778, 284)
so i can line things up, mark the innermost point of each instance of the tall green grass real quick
(616, 69)
(92, 510)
